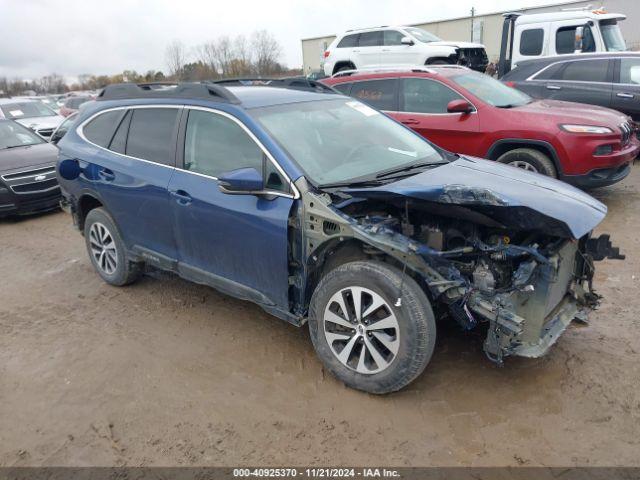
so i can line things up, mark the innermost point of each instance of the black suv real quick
(607, 79)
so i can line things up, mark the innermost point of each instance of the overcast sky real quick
(71, 37)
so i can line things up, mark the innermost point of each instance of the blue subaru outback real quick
(319, 208)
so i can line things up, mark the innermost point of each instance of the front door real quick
(236, 243)
(423, 108)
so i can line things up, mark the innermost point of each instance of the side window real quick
(215, 144)
(549, 72)
(100, 129)
(420, 95)
(370, 39)
(392, 37)
(343, 87)
(348, 41)
(531, 41)
(152, 134)
(380, 94)
(566, 40)
(630, 70)
(119, 141)
(584, 71)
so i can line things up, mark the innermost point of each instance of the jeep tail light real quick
(326, 53)
(510, 84)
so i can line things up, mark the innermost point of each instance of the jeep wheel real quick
(360, 333)
(106, 249)
(531, 160)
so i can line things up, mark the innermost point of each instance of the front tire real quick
(106, 249)
(359, 333)
(530, 160)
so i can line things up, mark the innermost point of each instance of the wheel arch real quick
(87, 202)
(343, 63)
(505, 145)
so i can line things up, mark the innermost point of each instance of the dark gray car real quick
(28, 182)
(606, 79)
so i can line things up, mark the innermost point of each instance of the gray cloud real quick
(91, 36)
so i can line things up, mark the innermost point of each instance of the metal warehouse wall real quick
(491, 30)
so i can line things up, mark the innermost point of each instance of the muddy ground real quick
(165, 372)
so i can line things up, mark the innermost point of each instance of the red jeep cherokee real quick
(467, 112)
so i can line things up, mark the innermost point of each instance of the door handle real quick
(356, 51)
(182, 197)
(107, 175)
(624, 95)
(553, 87)
(410, 121)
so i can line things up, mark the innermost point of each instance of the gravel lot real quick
(165, 372)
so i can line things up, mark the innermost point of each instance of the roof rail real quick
(205, 90)
(297, 83)
(364, 71)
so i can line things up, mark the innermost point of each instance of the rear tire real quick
(358, 348)
(107, 251)
(531, 160)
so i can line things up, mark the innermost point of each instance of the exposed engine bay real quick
(525, 284)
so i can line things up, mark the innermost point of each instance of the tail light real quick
(326, 53)
(510, 84)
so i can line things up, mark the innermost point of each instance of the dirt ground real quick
(165, 372)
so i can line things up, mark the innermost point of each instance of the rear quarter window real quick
(348, 41)
(100, 130)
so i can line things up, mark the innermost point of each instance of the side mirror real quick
(578, 41)
(406, 41)
(69, 169)
(242, 180)
(459, 106)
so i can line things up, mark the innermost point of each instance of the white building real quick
(486, 28)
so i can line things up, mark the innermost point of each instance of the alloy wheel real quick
(361, 330)
(524, 165)
(103, 248)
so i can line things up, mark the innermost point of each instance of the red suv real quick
(467, 112)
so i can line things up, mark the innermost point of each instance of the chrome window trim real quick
(80, 132)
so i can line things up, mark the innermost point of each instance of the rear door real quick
(131, 170)
(423, 107)
(236, 243)
(626, 88)
(583, 81)
(369, 50)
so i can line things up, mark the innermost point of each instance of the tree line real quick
(258, 55)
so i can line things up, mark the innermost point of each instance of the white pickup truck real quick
(525, 37)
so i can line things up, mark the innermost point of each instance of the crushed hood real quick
(510, 196)
(444, 43)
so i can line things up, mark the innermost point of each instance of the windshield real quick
(422, 35)
(612, 36)
(491, 91)
(13, 135)
(341, 140)
(18, 110)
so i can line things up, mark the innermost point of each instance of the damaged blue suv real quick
(323, 210)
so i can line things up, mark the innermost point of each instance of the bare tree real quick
(176, 58)
(266, 52)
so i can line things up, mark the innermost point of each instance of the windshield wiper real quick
(406, 168)
(354, 183)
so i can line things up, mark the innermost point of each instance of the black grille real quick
(32, 181)
(627, 131)
(45, 132)
(35, 187)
